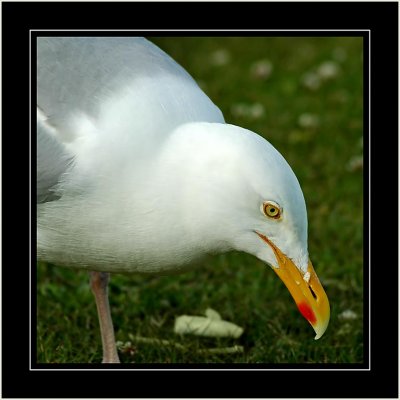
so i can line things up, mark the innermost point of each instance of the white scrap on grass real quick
(211, 326)
(212, 314)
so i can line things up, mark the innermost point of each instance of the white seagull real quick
(137, 172)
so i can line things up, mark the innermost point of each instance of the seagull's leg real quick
(99, 286)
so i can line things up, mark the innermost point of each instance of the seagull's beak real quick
(306, 290)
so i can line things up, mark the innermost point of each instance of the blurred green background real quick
(304, 95)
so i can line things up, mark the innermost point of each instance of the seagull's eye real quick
(271, 210)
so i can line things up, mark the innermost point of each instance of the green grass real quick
(242, 289)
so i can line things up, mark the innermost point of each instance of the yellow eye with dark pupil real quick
(271, 210)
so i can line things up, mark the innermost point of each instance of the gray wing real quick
(84, 76)
(53, 160)
(76, 75)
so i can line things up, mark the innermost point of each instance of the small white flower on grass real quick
(261, 69)
(311, 81)
(355, 163)
(328, 70)
(308, 121)
(256, 111)
(220, 57)
(348, 315)
(251, 111)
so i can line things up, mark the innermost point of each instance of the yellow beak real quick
(306, 290)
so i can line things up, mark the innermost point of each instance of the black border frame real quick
(382, 21)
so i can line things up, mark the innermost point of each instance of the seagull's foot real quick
(108, 360)
(99, 286)
(110, 354)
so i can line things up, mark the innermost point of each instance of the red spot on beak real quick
(307, 313)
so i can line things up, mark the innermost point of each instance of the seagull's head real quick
(246, 197)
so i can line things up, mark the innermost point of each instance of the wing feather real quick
(53, 160)
(84, 76)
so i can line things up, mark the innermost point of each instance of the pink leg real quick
(99, 286)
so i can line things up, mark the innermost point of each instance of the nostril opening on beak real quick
(313, 293)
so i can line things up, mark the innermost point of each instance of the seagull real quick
(138, 172)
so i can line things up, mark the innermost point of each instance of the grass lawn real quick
(305, 95)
